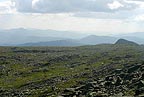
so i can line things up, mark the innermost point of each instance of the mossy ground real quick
(22, 66)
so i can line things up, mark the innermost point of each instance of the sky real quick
(101, 17)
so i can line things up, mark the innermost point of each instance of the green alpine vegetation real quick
(86, 71)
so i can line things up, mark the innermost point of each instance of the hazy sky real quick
(87, 16)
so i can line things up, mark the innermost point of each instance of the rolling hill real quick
(93, 39)
(125, 42)
(18, 36)
(54, 43)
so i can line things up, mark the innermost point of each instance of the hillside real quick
(20, 36)
(100, 70)
(126, 42)
(89, 40)
(93, 39)
(54, 43)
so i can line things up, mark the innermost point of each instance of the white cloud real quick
(34, 3)
(23, 5)
(7, 7)
(115, 5)
(101, 16)
(69, 23)
(139, 18)
(66, 6)
(140, 3)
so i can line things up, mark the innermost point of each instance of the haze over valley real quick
(36, 37)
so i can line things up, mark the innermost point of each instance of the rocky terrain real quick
(120, 82)
(106, 70)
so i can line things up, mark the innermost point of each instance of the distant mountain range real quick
(93, 39)
(55, 43)
(21, 36)
(36, 37)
